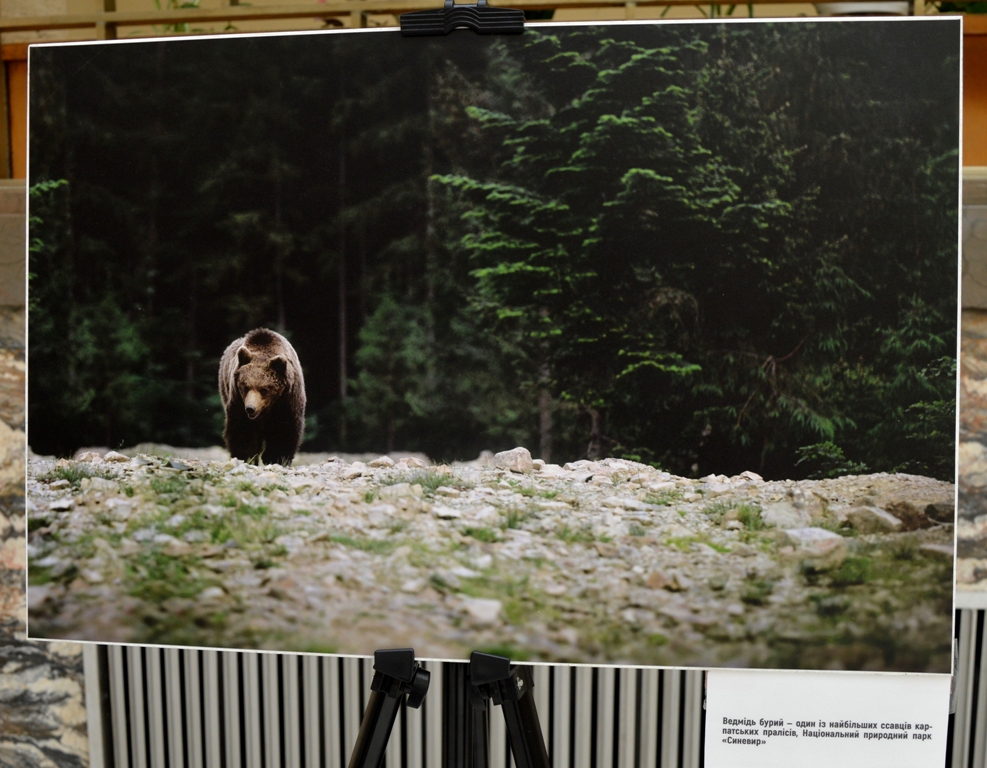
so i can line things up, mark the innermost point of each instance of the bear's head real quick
(260, 382)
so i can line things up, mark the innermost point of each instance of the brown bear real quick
(263, 393)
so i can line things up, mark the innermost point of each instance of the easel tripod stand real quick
(468, 692)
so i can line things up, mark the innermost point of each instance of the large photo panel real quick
(623, 343)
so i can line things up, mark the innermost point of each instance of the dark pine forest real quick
(710, 247)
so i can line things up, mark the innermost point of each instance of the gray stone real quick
(113, 456)
(938, 551)
(814, 548)
(382, 462)
(874, 520)
(911, 514)
(941, 511)
(483, 611)
(785, 515)
(400, 490)
(445, 513)
(515, 460)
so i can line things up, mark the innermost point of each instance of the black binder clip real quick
(481, 18)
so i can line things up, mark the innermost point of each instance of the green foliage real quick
(712, 248)
(823, 460)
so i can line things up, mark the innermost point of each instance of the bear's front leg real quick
(279, 450)
(282, 437)
(242, 439)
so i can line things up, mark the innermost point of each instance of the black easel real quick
(396, 675)
(493, 678)
(467, 693)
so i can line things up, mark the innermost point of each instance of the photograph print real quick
(626, 343)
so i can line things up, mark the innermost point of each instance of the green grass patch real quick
(575, 535)
(34, 524)
(683, 543)
(156, 577)
(664, 498)
(514, 518)
(75, 474)
(486, 535)
(36, 576)
(636, 529)
(518, 600)
(750, 516)
(376, 546)
(245, 486)
(657, 640)
(903, 549)
(506, 650)
(254, 511)
(756, 591)
(173, 484)
(852, 571)
(428, 479)
(244, 531)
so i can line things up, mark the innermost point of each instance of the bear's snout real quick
(253, 404)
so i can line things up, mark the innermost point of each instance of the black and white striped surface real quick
(178, 708)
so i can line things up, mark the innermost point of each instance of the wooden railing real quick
(106, 22)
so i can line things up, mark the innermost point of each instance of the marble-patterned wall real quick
(42, 699)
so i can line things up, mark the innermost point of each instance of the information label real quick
(766, 718)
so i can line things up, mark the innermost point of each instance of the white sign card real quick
(821, 719)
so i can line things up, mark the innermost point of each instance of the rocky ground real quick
(595, 562)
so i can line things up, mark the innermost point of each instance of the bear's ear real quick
(243, 356)
(279, 365)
